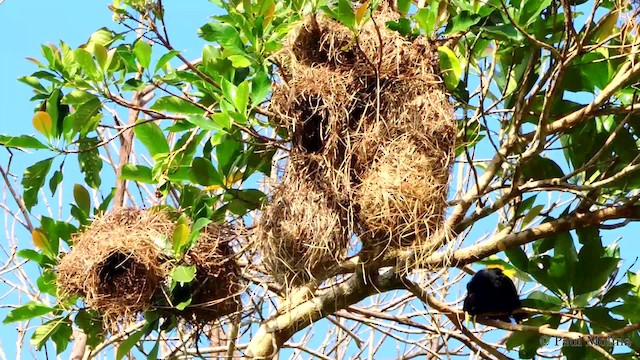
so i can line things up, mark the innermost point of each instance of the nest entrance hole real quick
(119, 273)
(313, 134)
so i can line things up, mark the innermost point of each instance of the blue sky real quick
(26, 24)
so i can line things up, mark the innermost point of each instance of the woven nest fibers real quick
(312, 105)
(322, 40)
(403, 196)
(216, 290)
(120, 266)
(114, 264)
(300, 236)
(416, 108)
(316, 107)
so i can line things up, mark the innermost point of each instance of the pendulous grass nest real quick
(301, 237)
(216, 289)
(121, 263)
(373, 140)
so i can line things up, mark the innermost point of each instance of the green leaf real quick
(205, 173)
(55, 180)
(103, 36)
(183, 305)
(260, 88)
(33, 180)
(244, 200)
(426, 18)
(90, 322)
(137, 173)
(82, 198)
(100, 52)
(506, 32)
(47, 282)
(518, 258)
(540, 168)
(31, 255)
(183, 274)
(531, 11)
(90, 161)
(142, 51)
(403, 6)
(450, 66)
(176, 105)
(85, 112)
(204, 122)
(239, 61)
(27, 311)
(34, 82)
(225, 35)
(616, 292)
(242, 97)
(129, 342)
(180, 238)
(543, 301)
(57, 329)
(343, 13)
(223, 120)
(532, 214)
(227, 152)
(150, 134)
(133, 84)
(198, 225)
(84, 58)
(462, 22)
(164, 59)
(77, 98)
(21, 142)
(153, 354)
(594, 267)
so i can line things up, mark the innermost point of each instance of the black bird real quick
(490, 291)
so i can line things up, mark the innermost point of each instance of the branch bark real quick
(274, 332)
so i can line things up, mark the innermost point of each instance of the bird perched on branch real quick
(492, 293)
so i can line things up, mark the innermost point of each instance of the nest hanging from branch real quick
(300, 236)
(114, 265)
(373, 138)
(216, 289)
(120, 265)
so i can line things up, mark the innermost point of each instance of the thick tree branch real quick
(274, 332)
(501, 242)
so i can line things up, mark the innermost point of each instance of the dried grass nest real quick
(119, 266)
(300, 235)
(372, 134)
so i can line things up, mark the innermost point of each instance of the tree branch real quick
(276, 331)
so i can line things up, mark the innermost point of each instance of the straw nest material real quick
(300, 236)
(119, 265)
(402, 196)
(316, 106)
(216, 290)
(372, 137)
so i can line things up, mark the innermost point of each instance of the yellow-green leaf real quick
(82, 198)
(361, 11)
(180, 237)
(450, 66)
(607, 26)
(42, 123)
(40, 239)
(269, 15)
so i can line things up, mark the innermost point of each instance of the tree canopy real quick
(544, 98)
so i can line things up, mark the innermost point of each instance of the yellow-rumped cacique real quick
(492, 293)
